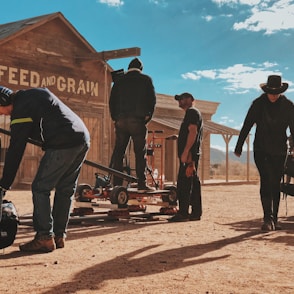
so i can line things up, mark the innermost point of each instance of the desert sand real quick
(225, 252)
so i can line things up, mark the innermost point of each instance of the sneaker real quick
(193, 217)
(43, 244)
(178, 218)
(59, 241)
(145, 188)
(268, 226)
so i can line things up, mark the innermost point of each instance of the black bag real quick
(8, 224)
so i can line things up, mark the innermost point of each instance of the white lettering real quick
(50, 81)
(81, 89)
(34, 79)
(94, 89)
(71, 83)
(3, 69)
(43, 83)
(61, 85)
(23, 74)
(11, 76)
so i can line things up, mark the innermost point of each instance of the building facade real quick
(47, 51)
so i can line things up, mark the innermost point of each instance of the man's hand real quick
(147, 119)
(2, 192)
(190, 170)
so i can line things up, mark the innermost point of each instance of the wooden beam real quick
(112, 54)
(112, 171)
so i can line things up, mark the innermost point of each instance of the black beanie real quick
(136, 63)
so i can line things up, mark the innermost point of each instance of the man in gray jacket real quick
(132, 102)
(39, 115)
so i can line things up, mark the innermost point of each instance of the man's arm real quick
(18, 140)
(113, 102)
(151, 99)
(186, 155)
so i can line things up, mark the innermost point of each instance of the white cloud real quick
(112, 2)
(225, 2)
(225, 120)
(161, 3)
(208, 18)
(239, 78)
(268, 16)
(234, 2)
(269, 19)
(191, 76)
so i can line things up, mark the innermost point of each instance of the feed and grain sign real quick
(34, 79)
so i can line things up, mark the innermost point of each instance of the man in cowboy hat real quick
(272, 113)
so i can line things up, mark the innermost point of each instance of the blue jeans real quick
(125, 129)
(59, 169)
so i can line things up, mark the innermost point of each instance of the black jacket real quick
(272, 121)
(132, 95)
(39, 115)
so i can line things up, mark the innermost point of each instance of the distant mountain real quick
(218, 156)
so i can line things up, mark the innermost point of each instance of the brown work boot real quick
(59, 241)
(39, 244)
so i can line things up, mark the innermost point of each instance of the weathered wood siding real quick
(53, 55)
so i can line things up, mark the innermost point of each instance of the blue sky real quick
(219, 50)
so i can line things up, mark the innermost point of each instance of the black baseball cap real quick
(184, 95)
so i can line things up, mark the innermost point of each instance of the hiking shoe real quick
(178, 218)
(193, 217)
(145, 188)
(59, 241)
(43, 244)
(268, 226)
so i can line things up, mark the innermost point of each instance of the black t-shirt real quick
(192, 116)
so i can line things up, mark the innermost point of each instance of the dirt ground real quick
(225, 252)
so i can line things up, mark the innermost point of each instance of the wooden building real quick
(47, 51)
(163, 131)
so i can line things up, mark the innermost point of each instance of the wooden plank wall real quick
(51, 56)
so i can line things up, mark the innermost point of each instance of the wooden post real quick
(112, 54)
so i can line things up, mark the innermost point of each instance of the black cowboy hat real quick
(274, 85)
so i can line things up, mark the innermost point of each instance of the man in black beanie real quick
(131, 104)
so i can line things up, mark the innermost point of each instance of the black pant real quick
(189, 192)
(270, 169)
(127, 128)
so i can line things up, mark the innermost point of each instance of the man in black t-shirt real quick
(189, 141)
